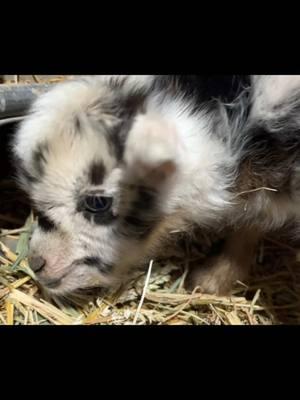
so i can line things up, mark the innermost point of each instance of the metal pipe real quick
(15, 100)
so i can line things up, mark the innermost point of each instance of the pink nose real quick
(37, 263)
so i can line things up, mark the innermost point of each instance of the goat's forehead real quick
(72, 151)
(71, 113)
(75, 127)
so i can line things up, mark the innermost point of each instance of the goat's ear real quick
(152, 150)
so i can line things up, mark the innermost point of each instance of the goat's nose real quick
(37, 263)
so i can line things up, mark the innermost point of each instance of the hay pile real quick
(156, 294)
(24, 79)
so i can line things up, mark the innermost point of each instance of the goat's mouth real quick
(72, 284)
(55, 287)
(81, 296)
(50, 283)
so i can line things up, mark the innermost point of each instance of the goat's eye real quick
(97, 204)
